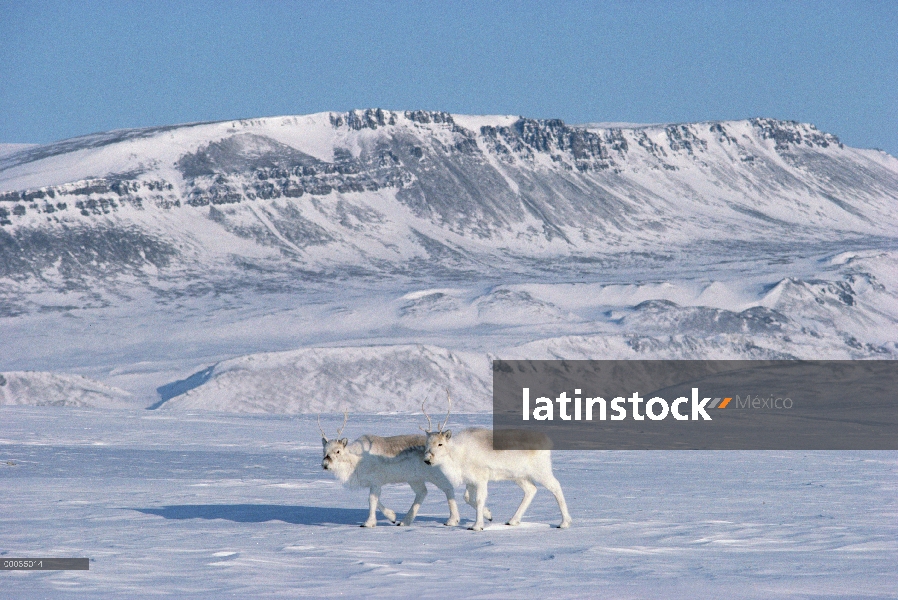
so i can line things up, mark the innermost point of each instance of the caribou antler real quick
(324, 437)
(345, 418)
(429, 425)
(449, 410)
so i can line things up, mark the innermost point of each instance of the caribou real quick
(372, 462)
(469, 458)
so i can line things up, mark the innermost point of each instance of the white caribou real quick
(372, 462)
(469, 458)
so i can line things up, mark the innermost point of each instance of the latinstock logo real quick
(656, 409)
(691, 404)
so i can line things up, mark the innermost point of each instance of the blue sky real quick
(71, 68)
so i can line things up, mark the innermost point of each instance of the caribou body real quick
(372, 462)
(469, 458)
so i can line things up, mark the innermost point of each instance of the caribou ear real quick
(448, 434)
(323, 442)
(344, 441)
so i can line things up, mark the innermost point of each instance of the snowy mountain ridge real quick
(374, 188)
(200, 265)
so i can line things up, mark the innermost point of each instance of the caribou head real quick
(333, 448)
(436, 439)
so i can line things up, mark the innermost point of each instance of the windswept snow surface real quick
(51, 389)
(212, 505)
(372, 379)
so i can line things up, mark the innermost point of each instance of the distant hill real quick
(380, 242)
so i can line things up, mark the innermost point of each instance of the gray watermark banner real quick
(701, 405)
(45, 564)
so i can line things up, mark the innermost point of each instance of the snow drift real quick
(53, 389)
(317, 380)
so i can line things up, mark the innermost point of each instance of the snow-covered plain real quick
(221, 505)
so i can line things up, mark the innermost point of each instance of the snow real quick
(618, 125)
(201, 505)
(52, 389)
(475, 122)
(368, 379)
(386, 344)
(718, 249)
(7, 149)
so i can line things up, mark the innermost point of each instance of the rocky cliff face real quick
(377, 191)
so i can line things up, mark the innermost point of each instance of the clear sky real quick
(77, 67)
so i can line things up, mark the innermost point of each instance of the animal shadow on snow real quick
(259, 513)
